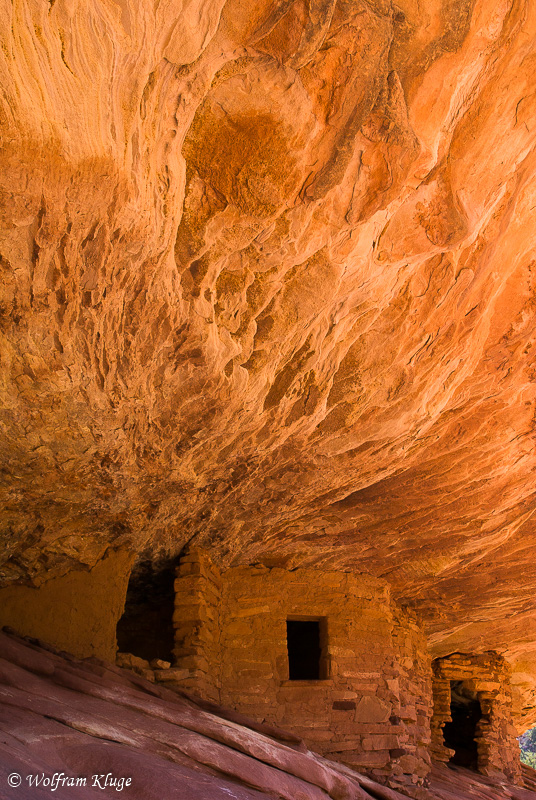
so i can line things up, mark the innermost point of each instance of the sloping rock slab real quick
(452, 783)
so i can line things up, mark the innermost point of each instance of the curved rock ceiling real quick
(268, 283)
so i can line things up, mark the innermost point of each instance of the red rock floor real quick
(454, 783)
(83, 718)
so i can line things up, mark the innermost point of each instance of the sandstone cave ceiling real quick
(268, 285)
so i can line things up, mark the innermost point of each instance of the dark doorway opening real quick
(146, 627)
(304, 645)
(460, 733)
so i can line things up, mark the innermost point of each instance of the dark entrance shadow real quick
(460, 734)
(146, 627)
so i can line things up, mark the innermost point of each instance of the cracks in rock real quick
(61, 34)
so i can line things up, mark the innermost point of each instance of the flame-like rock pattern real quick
(268, 284)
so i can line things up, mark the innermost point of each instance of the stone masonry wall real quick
(413, 686)
(345, 716)
(370, 711)
(196, 622)
(488, 675)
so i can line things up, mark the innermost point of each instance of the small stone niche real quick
(146, 628)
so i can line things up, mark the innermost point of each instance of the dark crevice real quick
(461, 732)
(146, 627)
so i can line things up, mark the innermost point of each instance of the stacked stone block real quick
(196, 622)
(412, 680)
(488, 675)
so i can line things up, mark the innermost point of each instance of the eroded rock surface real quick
(267, 284)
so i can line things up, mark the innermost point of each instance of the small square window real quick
(306, 649)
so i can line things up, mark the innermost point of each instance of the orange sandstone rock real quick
(267, 285)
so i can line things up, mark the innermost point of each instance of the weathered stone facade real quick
(372, 706)
(371, 703)
(197, 623)
(487, 675)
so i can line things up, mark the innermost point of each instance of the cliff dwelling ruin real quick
(268, 396)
